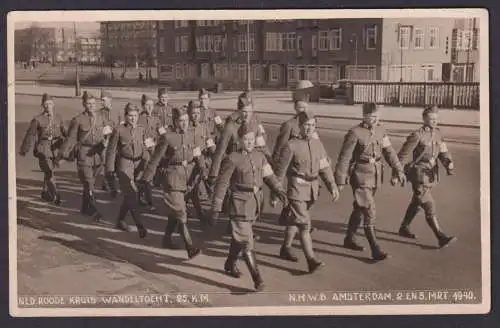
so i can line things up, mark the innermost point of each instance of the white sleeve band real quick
(260, 142)
(267, 170)
(386, 142)
(443, 148)
(323, 163)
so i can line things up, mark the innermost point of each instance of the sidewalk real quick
(272, 102)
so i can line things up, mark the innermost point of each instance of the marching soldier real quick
(201, 132)
(419, 155)
(244, 172)
(359, 163)
(108, 182)
(46, 134)
(175, 156)
(128, 148)
(153, 129)
(163, 110)
(228, 141)
(87, 135)
(303, 160)
(208, 115)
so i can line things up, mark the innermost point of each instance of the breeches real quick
(364, 204)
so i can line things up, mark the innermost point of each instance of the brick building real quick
(280, 52)
(35, 44)
(129, 42)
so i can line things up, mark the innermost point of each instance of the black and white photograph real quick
(232, 162)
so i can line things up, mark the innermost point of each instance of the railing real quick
(443, 95)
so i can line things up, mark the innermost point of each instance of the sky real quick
(80, 26)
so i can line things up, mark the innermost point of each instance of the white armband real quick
(218, 120)
(197, 152)
(443, 148)
(261, 129)
(162, 130)
(323, 163)
(107, 130)
(386, 142)
(210, 143)
(267, 170)
(260, 142)
(149, 143)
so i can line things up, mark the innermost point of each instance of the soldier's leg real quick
(364, 197)
(92, 197)
(235, 248)
(129, 190)
(47, 168)
(242, 232)
(196, 199)
(429, 207)
(302, 219)
(410, 214)
(352, 227)
(291, 230)
(83, 173)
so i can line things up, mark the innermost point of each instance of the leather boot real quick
(313, 263)
(93, 205)
(251, 261)
(443, 240)
(138, 223)
(286, 253)
(186, 237)
(352, 226)
(57, 199)
(404, 229)
(167, 241)
(120, 222)
(377, 253)
(230, 266)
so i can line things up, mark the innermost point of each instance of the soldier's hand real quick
(450, 169)
(402, 178)
(394, 180)
(282, 197)
(335, 194)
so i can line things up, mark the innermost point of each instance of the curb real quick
(288, 114)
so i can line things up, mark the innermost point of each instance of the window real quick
(323, 40)
(205, 70)
(218, 43)
(398, 72)
(162, 45)
(179, 71)
(273, 41)
(292, 73)
(371, 37)
(275, 72)
(312, 73)
(433, 37)
(419, 38)
(242, 72)
(404, 37)
(234, 71)
(184, 43)
(299, 46)
(256, 72)
(464, 40)
(243, 42)
(336, 39)
(289, 41)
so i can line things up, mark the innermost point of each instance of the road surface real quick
(62, 252)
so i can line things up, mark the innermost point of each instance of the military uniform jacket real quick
(113, 118)
(87, 134)
(288, 130)
(244, 173)
(420, 152)
(45, 134)
(359, 161)
(152, 125)
(304, 161)
(229, 141)
(164, 114)
(126, 146)
(176, 154)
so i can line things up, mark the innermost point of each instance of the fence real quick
(443, 95)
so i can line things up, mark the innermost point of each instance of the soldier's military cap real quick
(193, 104)
(145, 98)
(129, 107)
(105, 94)
(369, 108)
(161, 91)
(244, 129)
(179, 111)
(305, 116)
(203, 92)
(244, 99)
(87, 95)
(429, 110)
(46, 97)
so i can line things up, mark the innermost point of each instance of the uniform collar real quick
(128, 125)
(192, 123)
(428, 128)
(48, 114)
(145, 112)
(244, 152)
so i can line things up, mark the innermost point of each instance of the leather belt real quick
(130, 158)
(181, 163)
(430, 161)
(91, 145)
(371, 160)
(247, 188)
(307, 178)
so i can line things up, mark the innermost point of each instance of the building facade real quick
(35, 44)
(428, 50)
(129, 43)
(280, 52)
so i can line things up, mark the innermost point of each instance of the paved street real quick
(267, 101)
(62, 252)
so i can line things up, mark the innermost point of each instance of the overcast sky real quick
(80, 27)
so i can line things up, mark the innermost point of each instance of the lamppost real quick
(249, 81)
(77, 75)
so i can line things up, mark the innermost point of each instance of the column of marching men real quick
(189, 151)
